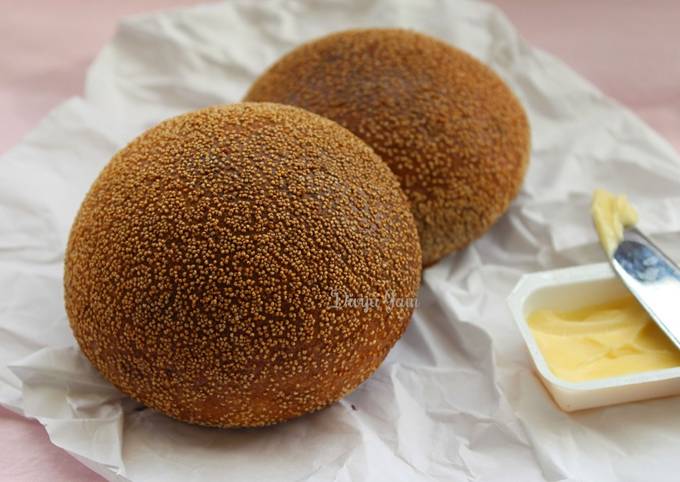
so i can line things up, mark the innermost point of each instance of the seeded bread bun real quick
(448, 127)
(208, 268)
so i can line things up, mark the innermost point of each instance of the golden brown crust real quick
(200, 268)
(446, 124)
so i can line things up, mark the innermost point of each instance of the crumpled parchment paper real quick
(455, 399)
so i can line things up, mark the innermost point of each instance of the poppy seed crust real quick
(449, 127)
(201, 268)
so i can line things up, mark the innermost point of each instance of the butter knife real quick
(652, 277)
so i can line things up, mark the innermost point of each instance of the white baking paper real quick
(456, 399)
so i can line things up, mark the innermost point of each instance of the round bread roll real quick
(447, 125)
(214, 268)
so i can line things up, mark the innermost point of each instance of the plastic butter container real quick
(571, 289)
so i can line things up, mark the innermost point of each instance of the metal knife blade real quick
(652, 277)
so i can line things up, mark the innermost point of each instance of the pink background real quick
(629, 49)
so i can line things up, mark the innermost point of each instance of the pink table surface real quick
(628, 49)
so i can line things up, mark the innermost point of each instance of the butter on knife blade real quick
(651, 276)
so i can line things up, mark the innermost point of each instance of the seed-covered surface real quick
(202, 268)
(448, 127)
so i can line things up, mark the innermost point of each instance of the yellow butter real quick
(603, 341)
(611, 214)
